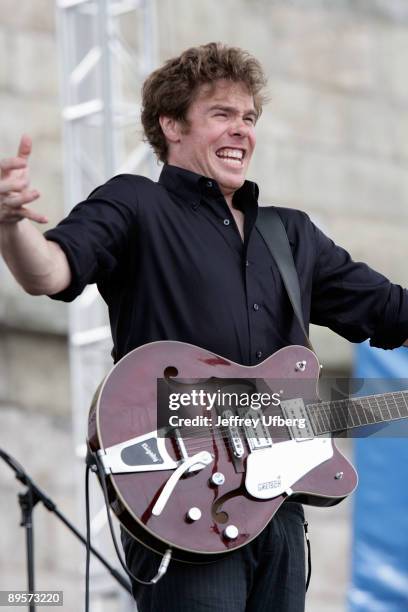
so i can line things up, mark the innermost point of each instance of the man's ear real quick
(171, 128)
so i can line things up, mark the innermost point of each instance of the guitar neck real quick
(340, 415)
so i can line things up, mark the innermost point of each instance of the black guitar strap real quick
(273, 232)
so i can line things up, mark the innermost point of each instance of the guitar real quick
(209, 488)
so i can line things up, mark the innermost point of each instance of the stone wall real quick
(333, 141)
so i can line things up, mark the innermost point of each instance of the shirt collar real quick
(192, 187)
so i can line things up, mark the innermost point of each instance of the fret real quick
(368, 413)
(348, 407)
(343, 414)
(396, 411)
(402, 406)
(375, 409)
(355, 409)
(393, 407)
(311, 409)
(367, 416)
(353, 413)
(338, 418)
(371, 414)
(404, 397)
(325, 412)
(403, 403)
(385, 413)
(358, 411)
(320, 420)
(361, 410)
(385, 407)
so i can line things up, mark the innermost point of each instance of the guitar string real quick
(203, 442)
(326, 412)
(379, 409)
(341, 409)
(198, 442)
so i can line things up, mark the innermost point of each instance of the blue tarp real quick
(380, 522)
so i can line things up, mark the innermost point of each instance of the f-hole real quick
(170, 372)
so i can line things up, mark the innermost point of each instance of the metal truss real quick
(107, 47)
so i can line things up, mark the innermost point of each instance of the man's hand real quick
(39, 265)
(14, 187)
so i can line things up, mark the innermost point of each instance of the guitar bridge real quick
(179, 442)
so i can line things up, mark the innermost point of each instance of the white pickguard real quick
(272, 471)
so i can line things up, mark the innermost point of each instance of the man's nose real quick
(239, 127)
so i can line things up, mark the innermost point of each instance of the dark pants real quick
(266, 575)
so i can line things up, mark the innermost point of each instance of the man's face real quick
(220, 138)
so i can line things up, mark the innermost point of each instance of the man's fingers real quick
(10, 184)
(14, 193)
(28, 213)
(20, 199)
(24, 148)
(12, 163)
(23, 213)
(13, 212)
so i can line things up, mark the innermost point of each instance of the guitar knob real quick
(217, 478)
(194, 514)
(300, 366)
(231, 532)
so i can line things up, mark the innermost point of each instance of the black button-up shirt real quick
(170, 264)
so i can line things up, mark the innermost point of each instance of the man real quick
(183, 260)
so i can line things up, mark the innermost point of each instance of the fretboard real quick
(338, 415)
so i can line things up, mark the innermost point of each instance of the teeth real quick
(232, 161)
(230, 153)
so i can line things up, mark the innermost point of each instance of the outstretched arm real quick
(39, 265)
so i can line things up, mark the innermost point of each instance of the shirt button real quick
(194, 205)
(209, 183)
(247, 263)
(226, 221)
(259, 354)
(255, 306)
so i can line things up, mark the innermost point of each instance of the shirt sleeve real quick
(95, 235)
(354, 300)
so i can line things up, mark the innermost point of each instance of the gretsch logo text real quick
(149, 452)
(270, 484)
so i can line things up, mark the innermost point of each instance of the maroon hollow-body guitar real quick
(214, 489)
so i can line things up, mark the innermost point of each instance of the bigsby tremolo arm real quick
(204, 458)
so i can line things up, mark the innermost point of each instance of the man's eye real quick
(220, 115)
(250, 120)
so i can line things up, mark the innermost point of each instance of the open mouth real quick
(231, 156)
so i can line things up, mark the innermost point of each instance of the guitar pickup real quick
(257, 434)
(233, 436)
(295, 411)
